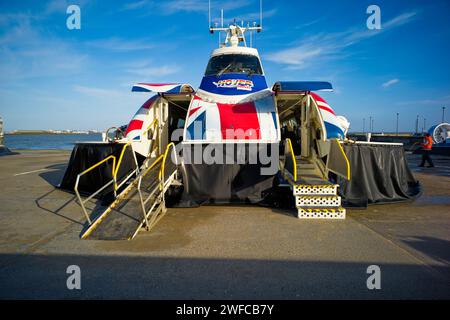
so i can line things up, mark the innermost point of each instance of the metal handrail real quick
(294, 161)
(149, 127)
(161, 186)
(114, 172)
(135, 171)
(154, 138)
(82, 202)
(144, 202)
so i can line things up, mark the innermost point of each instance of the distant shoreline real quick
(41, 132)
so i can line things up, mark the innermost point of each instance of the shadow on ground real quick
(55, 173)
(437, 249)
(134, 277)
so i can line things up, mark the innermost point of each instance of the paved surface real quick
(220, 252)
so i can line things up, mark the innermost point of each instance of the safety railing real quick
(134, 172)
(161, 186)
(155, 135)
(152, 192)
(113, 181)
(290, 163)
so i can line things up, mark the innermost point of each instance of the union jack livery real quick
(234, 106)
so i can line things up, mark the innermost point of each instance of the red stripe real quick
(149, 103)
(317, 97)
(327, 109)
(193, 110)
(134, 125)
(242, 117)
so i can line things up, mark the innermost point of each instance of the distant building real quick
(1, 131)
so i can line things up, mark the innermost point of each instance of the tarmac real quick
(220, 252)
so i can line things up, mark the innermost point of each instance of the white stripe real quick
(19, 174)
(323, 104)
(264, 108)
(232, 99)
(158, 88)
(213, 129)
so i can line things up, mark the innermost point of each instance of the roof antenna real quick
(235, 32)
(260, 16)
(209, 16)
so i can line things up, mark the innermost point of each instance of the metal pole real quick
(364, 125)
(370, 124)
(397, 124)
(417, 124)
(443, 114)
(424, 124)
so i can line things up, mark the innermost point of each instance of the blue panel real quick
(139, 89)
(303, 86)
(274, 117)
(177, 89)
(233, 84)
(333, 131)
(196, 130)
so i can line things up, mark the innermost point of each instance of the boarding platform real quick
(315, 196)
(138, 195)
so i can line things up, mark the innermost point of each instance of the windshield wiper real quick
(250, 73)
(224, 69)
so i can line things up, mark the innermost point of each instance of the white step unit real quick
(335, 214)
(318, 201)
(327, 189)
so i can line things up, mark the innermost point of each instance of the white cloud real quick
(151, 72)
(254, 16)
(97, 92)
(390, 83)
(296, 56)
(60, 6)
(308, 24)
(27, 52)
(173, 6)
(134, 5)
(331, 45)
(117, 44)
(439, 101)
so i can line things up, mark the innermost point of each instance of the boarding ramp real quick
(315, 196)
(141, 204)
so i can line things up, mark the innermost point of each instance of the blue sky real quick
(55, 78)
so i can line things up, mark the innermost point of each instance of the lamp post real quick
(443, 114)
(370, 124)
(397, 124)
(424, 124)
(417, 124)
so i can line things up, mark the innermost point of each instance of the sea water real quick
(48, 141)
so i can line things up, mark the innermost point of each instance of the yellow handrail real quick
(346, 160)
(153, 164)
(161, 172)
(99, 163)
(152, 124)
(294, 161)
(155, 121)
(120, 159)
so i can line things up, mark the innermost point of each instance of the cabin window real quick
(233, 63)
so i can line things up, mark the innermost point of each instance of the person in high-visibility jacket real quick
(427, 144)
